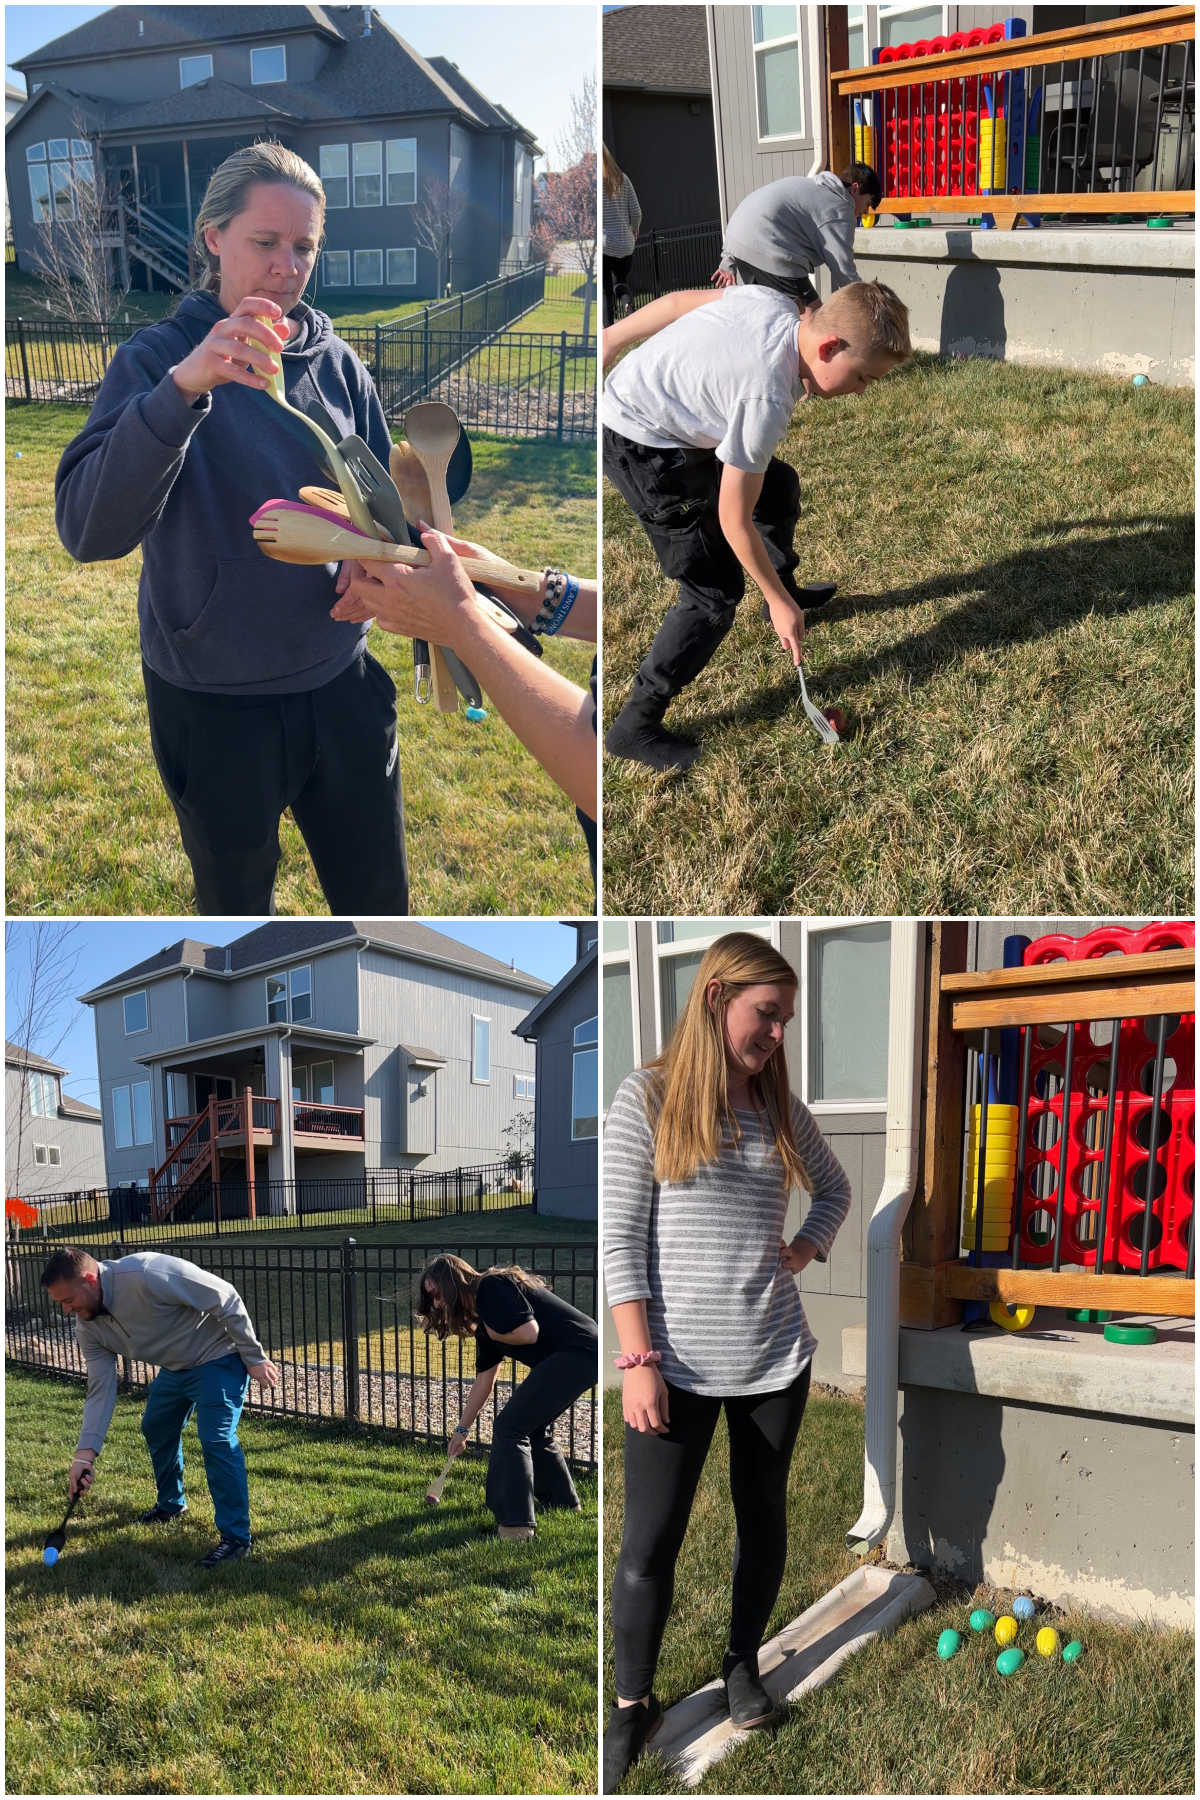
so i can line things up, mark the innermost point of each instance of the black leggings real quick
(525, 1464)
(661, 1477)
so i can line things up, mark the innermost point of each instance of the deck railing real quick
(1086, 1197)
(1096, 119)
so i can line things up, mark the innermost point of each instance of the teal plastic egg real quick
(1073, 1651)
(948, 1643)
(1009, 1661)
(982, 1619)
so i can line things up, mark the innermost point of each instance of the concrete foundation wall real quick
(1086, 1502)
(1119, 301)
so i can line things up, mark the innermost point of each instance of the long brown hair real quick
(687, 1100)
(451, 1311)
(613, 177)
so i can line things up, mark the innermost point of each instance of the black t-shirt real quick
(505, 1304)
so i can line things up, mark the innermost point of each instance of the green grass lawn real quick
(90, 829)
(1012, 643)
(895, 1719)
(372, 1645)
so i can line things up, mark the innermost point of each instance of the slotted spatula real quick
(823, 726)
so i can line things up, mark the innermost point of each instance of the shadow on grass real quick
(1048, 589)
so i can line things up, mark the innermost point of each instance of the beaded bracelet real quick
(562, 591)
(637, 1359)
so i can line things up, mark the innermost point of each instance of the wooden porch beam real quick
(931, 1229)
(1127, 987)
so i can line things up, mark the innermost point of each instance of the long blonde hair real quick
(225, 197)
(687, 1099)
(613, 174)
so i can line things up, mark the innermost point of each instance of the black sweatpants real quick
(674, 494)
(662, 1473)
(797, 287)
(231, 764)
(613, 271)
(525, 1464)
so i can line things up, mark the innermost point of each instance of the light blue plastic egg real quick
(1023, 1607)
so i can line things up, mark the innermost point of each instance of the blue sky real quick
(95, 951)
(529, 58)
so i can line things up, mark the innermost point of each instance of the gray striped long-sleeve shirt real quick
(704, 1254)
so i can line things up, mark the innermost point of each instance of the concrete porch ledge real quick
(1117, 247)
(1061, 1365)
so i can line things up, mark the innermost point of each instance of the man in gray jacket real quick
(195, 1328)
(780, 232)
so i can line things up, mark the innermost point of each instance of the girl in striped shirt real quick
(701, 1150)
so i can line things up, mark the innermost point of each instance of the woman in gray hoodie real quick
(258, 700)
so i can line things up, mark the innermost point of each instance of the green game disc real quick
(1091, 1315)
(1131, 1334)
(1160, 224)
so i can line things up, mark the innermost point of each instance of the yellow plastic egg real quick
(1047, 1641)
(1006, 1629)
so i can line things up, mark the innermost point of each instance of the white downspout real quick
(883, 1238)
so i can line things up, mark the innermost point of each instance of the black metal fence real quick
(340, 1324)
(460, 350)
(374, 1197)
(666, 261)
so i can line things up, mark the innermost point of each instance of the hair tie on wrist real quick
(637, 1359)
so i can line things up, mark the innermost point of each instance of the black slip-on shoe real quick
(626, 1735)
(750, 1704)
(228, 1550)
(158, 1515)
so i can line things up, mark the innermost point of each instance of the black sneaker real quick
(228, 1550)
(626, 1735)
(647, 742)
(749, 1702)
(158, 1515)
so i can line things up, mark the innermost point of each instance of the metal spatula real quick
(823, 726)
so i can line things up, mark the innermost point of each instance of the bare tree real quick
(39, 982)
(566, 212)
(70, 253)
(435, 220)
(518, 1135)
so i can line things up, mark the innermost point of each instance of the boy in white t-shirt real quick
(691, 421)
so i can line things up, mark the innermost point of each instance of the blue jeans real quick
(216, 1392)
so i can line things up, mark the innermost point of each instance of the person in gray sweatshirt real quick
(780, 232)
(258, 700)
(195, 1329)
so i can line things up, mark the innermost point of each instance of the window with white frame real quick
(43, 1095)
(523, 1086)
(402, 169)
(846, 992)
(131, 1115)
(137, 1012)
(873, 28)
(585, 1081)
(368, 268)
(335, 268)
(334, 170)
(618, 987)
(481, 1048)
(402, 268)
(193, 69)
(61, 170)
(47, 1153)
(368, 174)
(268, 63)
(289, 996)
(679, 950)
(778, 71)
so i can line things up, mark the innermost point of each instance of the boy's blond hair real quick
(871, 317)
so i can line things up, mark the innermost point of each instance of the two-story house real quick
(305, 1051)
(153, 98)
(53, 1144)
(563, 1027)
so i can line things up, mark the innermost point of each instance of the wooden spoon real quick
(432, 429)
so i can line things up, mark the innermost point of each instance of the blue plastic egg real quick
(50, 1556)
(1023, 1607)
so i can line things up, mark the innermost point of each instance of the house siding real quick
(218, 1006)
(565, 1168)
(80, 1143)
(745, 163)
(116, 1059)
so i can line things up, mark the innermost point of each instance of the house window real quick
(289, 997)
(335, 174)
(137, 1013)
(301, 1091)
(368, 268)
(777, 71)
(193, 69)
(268, 64)
(335, 268)
(54, 182)
(402, 169)
(368, 174)
(43, 1095)
(622, 1036)
(481, 1048)
(402, 268)
(904, 24)
(321, 1083)
(178, 1099)
(131, 1115)
(523, 1086)
(585, 1073)
(47, 1153)
(847, 991)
